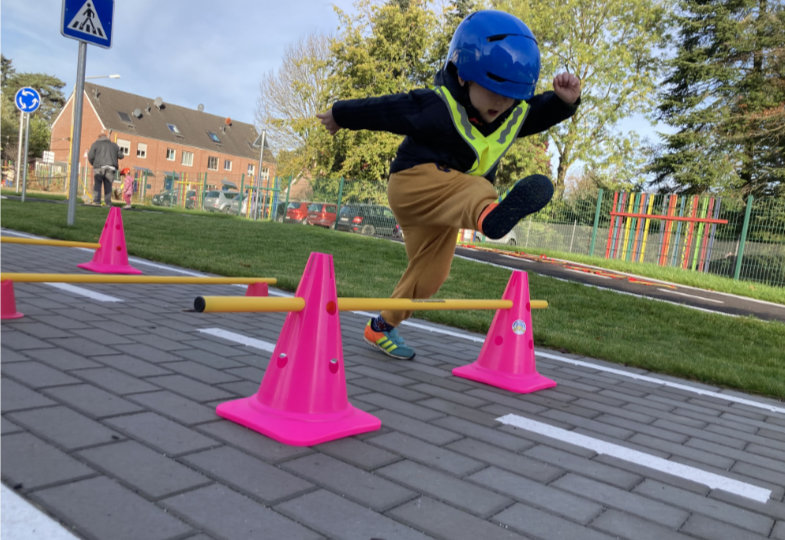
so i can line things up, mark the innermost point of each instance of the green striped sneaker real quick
(390, 343)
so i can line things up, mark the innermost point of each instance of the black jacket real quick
(425, 120)
(104, 153)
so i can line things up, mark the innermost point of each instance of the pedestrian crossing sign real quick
(88, 20)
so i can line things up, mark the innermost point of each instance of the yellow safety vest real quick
(488, 150)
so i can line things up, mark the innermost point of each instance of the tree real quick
(52, 101)
(612, 46)
(725, 96)
(383, 49)
(289, 100)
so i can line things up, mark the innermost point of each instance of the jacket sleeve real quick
(545, 111)
(402, 114)
(91, 154)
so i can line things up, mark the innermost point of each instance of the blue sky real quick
(188, 52)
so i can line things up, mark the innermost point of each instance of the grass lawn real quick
(734, 352)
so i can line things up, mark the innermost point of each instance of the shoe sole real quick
(511, 210)
(375, 346)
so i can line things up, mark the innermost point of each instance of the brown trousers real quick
(431, 204)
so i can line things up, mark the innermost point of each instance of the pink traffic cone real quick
(302, 399)
(8, 301)
(507, 357)
(111, 257)
(257, 289)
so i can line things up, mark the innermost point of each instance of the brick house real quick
(169, 145)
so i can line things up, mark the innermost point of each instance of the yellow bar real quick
(237, 304)
(47, 242)
(247, 304)
(125, 278)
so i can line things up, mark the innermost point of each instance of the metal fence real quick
(741, 239)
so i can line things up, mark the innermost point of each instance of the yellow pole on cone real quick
(47, 242)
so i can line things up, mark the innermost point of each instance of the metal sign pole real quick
(19, 153)
(24, 159)
(77, 133)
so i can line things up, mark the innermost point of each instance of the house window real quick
(188, 158)
(171, 154)
(173, 128)
(265, 173)
(124, 116)
(125, 146)
(141, 150)
(213, 137)
(212, 163)
(227, 164)
(251, 169)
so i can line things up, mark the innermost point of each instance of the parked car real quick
(367, 219)
(218, 200)
(321, 214)
(238, 206)
(191, 199)
(511, 239)
(297, 212)
(165, 198)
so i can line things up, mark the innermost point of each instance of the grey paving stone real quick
(7, 427)
(704, 527)
(226, 514)
(580, 508)
(358, 453)
(416, 428)
(161, 433)
(680, 452)
(586, 467)
(319, 510)
(391, 403)
(30, 463)
(36, 375)
(251, 442)
(504, 459)
(480, 416)
(91, 400)
(624, 525)
(427, 454)
(360, 486)
(489, 435)
(132, 366)
(16, 397)
(114, 381)
(669, 515)
(152, 473)
(439, 520)
(189, 388)
(537, 523)
(779, 531)
(247, 474)
(83, 346)
(65, 427)
(200, 372)
(60, 359)
(101, 508)
(465, 495)
(175, 407)
(709, 507)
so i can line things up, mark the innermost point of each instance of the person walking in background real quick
(104, 156)
(128, 186)
(441, 179)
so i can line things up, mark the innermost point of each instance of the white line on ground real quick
(23, 521)
(239, 338)
(691, 295)
(85, 292)
(712, 480)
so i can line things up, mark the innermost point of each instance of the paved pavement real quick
(109, 427)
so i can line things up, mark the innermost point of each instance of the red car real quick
(296, 212)
(321, 214)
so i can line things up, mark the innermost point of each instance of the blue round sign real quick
(27, 99)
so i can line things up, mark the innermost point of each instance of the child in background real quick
(128, 186)
(442, 177)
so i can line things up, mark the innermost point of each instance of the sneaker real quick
(526, 197)
(389, 342)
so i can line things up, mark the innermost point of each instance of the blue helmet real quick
(497, 51)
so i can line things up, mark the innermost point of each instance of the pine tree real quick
(724, 97)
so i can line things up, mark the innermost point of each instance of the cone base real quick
(297, 429)
(522, 384)
(14, 315)
(102, 268)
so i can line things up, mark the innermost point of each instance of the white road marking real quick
(85, 292)
(712, 480)
(23, 521)
(239, 338)
(691, 295)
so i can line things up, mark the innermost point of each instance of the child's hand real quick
(568, 87)
(329, 122)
